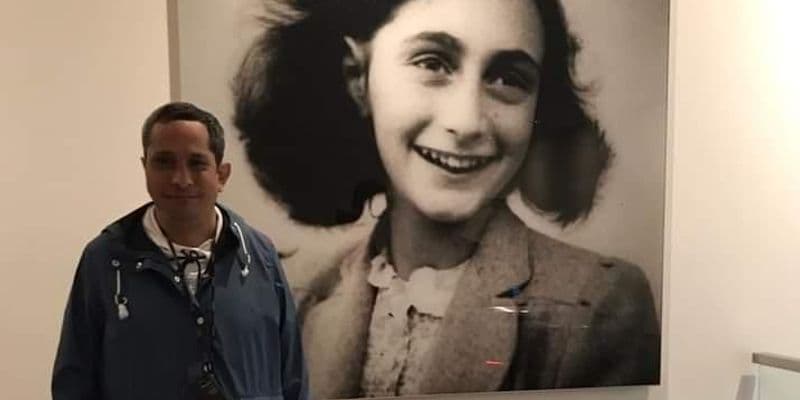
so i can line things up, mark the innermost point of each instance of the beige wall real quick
(733, 284)
(77, 78)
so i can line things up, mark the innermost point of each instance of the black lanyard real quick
(205, 386)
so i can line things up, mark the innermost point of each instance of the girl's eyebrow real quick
(517, 57)
(454, 45)
(443, 39)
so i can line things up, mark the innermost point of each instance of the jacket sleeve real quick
(76, 371)
(623, 346)
(294, 373)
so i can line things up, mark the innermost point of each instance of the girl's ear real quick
(354, 69)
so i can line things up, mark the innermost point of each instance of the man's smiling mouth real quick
(453, 163)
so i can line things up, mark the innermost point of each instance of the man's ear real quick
(354, 69)
(223, 173)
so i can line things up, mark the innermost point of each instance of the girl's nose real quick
(462, 113)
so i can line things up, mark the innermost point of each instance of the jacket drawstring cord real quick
(246, 268)
(120, 300)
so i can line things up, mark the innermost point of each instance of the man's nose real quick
(182, 177)
(462, 111)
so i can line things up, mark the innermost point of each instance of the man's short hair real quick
(183, 111)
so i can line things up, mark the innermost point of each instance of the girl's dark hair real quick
(313, 150)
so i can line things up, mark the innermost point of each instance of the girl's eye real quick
(511, 86)
(512, 79)
(432, 63)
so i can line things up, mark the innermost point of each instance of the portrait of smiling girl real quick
(438, 104)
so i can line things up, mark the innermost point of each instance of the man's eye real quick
(199, 165)
(162, 162)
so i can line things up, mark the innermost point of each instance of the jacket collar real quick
(479, 332)
(129, 229)
(478, 335)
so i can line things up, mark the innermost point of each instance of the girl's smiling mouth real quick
(451, 162)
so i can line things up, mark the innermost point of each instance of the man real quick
(180, 299)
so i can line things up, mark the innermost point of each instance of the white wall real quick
(77, 78)
(734, 282)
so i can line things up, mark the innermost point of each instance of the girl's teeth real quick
(452, 161)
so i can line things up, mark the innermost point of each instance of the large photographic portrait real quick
(467, 195)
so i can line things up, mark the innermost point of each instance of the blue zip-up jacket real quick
(131, 330)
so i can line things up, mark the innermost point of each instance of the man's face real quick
(182, 175)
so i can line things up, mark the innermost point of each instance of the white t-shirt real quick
(197, 257)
